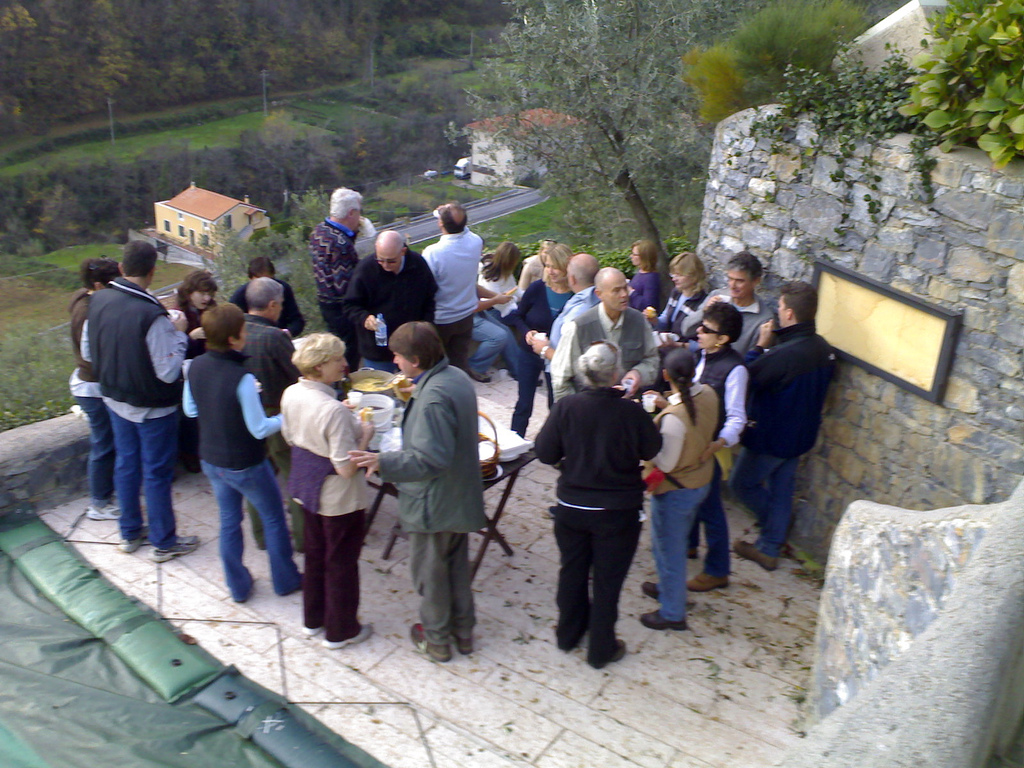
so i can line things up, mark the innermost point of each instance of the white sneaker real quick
(312, 631)
(364, 634)
(500, 375)
(109, 512)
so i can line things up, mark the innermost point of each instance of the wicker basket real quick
(489, 467)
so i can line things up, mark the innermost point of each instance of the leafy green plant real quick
(971, 85)
(851, 104)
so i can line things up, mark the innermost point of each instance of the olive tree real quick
(617, 133)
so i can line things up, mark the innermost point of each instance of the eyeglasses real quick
(389, 262)
(705, 329)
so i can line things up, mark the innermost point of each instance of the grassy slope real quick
(41, 305)
(217, 133)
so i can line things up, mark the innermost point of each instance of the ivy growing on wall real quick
(853, 104)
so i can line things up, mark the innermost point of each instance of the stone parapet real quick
(43, 464)
(790, 203)
(920, 639)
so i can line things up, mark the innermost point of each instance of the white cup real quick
(355, 398)
(540, 336)
(649, 399)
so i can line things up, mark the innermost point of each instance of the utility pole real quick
(371, 65)
(263, 76)
(110, 112)
(471, 49)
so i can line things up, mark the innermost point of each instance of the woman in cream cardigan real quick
(330, 488)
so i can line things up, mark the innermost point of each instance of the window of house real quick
(205, 241)
(181, 231)
(181, 216)
(167, 225)
(227, 220)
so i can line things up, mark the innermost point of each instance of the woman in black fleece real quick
(598, 438)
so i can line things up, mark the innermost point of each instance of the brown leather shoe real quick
(436, 652)
(465, 645)
(654, 620)
(705, 582)
(748, 551)
(650, 589)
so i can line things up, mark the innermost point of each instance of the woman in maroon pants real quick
(331, 490)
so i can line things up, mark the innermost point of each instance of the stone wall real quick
(920, 637)
(964, 251)
(43, 464)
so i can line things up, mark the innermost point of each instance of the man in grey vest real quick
(612, 320)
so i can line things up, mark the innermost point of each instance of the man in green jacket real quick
(440, 493)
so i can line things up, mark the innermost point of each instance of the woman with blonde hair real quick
(645, 287)
(330, 488)
(690, 282)
(537, 310)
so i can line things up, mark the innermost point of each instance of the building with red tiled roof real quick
(196, 216)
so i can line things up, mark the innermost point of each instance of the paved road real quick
(425, 227)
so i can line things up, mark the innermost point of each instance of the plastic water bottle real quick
(381, 334)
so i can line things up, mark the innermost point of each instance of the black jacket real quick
(291, 318)
(224, 439)
(787, 388)
(600, 439)
(119, 319)
(401, 298)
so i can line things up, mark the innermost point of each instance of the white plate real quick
(498, 474)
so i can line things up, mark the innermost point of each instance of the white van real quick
(464, 168)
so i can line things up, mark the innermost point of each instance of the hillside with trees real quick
(62, 59)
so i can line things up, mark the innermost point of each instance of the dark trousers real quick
(711, 514)
(599, 543)
(457, 338)
(342, 327)
(330, 589)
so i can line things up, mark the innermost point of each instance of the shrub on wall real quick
(749, 69)
(971, 87)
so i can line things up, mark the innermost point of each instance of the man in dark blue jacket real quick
(790, 369)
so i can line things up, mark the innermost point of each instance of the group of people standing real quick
(737, 374)
(721, 369)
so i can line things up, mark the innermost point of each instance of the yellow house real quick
(192, 217)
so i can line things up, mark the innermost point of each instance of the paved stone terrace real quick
(724, 693)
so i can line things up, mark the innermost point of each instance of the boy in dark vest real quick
(224, 396)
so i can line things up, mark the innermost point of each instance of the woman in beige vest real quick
(687, 426)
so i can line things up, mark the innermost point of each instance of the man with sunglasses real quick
(396, 284)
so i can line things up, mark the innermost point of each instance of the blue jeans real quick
(711, 514)
(146, 452)
(257, 484)
(672, 516)
(764, 483)
(495, 339)
(528, 367)
(380, 365)
(101, 450)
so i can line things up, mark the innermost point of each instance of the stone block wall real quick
(43, 464)
(791, 203)
(920, 638)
